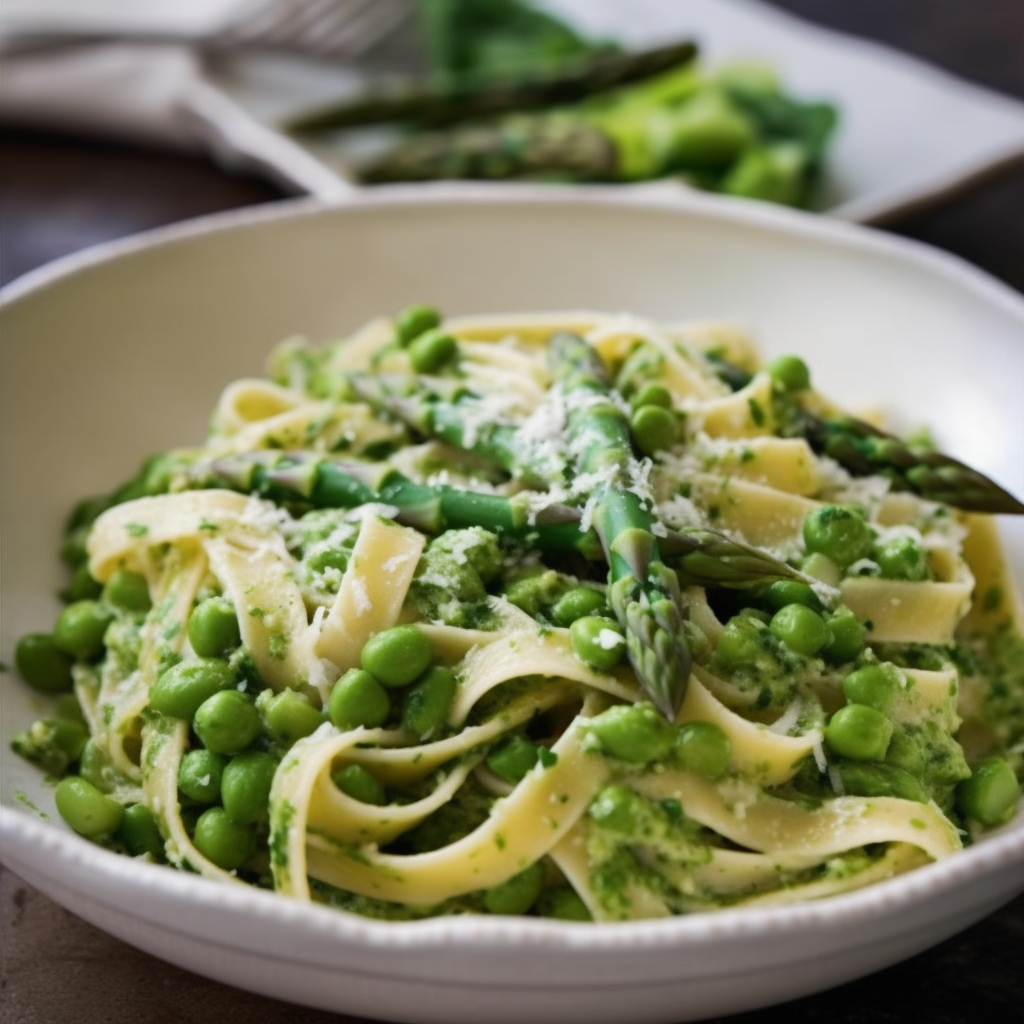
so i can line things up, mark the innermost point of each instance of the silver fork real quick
(319, 28)
(322, 28)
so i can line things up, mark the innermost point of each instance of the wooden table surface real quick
(60, 194)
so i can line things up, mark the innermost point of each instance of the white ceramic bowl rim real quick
(80, 857)
(883, 899)
(645, 197)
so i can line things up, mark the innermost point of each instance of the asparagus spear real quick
(864, 450)
(454, 420)
(643, 591)
(326, 483)
(449, 99)
(702, 557)
(622, 136)
(515, 147)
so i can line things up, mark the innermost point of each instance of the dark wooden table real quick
(60, 194)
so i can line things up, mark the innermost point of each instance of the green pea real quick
(782, 592)
(199, 775)
(756, 614)
(329, 558)
(82, 586)
(634, 732)
(79, 629)
(42, 664)
(396, 656)
(848, 638)
(990, 795)
(654, 428)
(289, 716)
(839, 532)
(859, 733)
(227, 722)
(533, 590)
(800, 629)
(73, 549)
(85, 809)
(157, 472)
(140, 833)
(741, 643)
(516, 894)
(95, 767)
(618, 809)
(213, 628)
(245, 786)
(790, 373)
(70, 735)
(901, 558)
(180, 690)
(68, 707)
(652, 393)
(426, 703)
(432, 350)
(821, 567)
(52, 743)
(703, 748)
(355, 781)
(874, 686)
(597, 642)
(412, 321)
(862, 779)
(128, 591)
(576, 603)
(358, 700)
(563, 904)
(513, 758)
(222, 841)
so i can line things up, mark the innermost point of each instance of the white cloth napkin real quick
(185, 19)
(153, 94)
(163, 93)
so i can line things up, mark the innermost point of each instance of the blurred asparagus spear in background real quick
(519, 149)
(736, 133)
(515, 93)
(449, 99)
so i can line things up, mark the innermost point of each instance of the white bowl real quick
(110, 355)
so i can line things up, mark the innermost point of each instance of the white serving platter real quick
(910, 134)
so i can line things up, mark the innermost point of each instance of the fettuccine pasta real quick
(572, 615)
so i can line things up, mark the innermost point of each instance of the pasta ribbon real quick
(434, 659)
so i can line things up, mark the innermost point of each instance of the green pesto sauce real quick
(624, 855)
(999, 659)
(932, 755)
(277, 645)
(123, 640)
(451, 822)
(774, 678)
(278, 844)
(23, 799)
(452, 577)
(382, 910)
